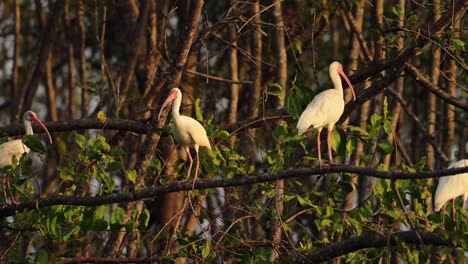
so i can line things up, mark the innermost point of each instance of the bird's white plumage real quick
(326, 108)
(450, 187)
(10, 149)
(16, 147)
(188, 132)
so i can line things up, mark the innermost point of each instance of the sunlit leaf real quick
(132, 175)
(102, 117)
(198, 111)
(388, 127)
(335, 140)
(206, 249)
(80, 140)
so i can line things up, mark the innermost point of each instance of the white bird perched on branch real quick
(16, 147)
(326, 108)
(450, 187)
(188, 132)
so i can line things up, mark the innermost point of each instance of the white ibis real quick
(188, 132)
(326, 108)
(16, 147)
(450, 187)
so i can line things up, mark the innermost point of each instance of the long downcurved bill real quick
(169, 99)
(35, 119)
(349, 83)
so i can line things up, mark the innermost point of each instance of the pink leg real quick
(5, 184)
(8, 186)
(453, 208)
(329, 147)
(318, 147)
(196, 169)
(191, 162)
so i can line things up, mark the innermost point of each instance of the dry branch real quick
(374, 240)
(150, 193)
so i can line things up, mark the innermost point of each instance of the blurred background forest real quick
(97, 73)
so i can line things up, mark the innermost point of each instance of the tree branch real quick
(374, 240)
(139, 127)
(150, 193)
(419, 78)
(430, 139)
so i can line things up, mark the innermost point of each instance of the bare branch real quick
(419, 78)
(150, 193)
(374, 240)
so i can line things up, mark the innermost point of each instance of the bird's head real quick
(29, 117)
(336, 67)
(175, 93)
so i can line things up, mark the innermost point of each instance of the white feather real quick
(450, 187)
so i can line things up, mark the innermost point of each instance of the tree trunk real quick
(281, 77)
(353, 65)
(83, 69)
(71, 63)
(234, 72)
(15, 85)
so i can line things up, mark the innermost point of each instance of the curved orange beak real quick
(169, 99)
(37, 121)
(341, 72)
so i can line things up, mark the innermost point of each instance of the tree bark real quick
(281, 77)
(15, 85)
(46, 44)
(354, 59)
(71, 62)
(451, 89)
(234, 72)
(83, 68)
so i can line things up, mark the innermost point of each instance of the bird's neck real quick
(176, 109)
(28, 127)
(335, 77)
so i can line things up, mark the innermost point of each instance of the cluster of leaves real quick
(310, 218)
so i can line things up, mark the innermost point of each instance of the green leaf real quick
(385, 147)
(388, 127)
(350, 146)
(206, 249)
(326, 222)
(358, 129)
(42, 258)
(99, 225)
(335, 140)
(198, 114)
(102, 117)
(132, 175)
(144, 220)
(80, 140)
(458, 44)
(222, 134)
(375, 118)
(298, 46)
(32, 142)
(117, 216)
(100, 212)
(397, 10)
(71, 232)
